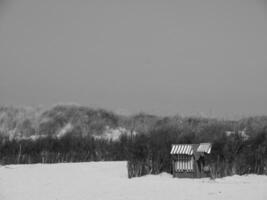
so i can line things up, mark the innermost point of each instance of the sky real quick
(164, 57)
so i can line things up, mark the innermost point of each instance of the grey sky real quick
(163, 57)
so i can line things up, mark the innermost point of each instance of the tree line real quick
(146, 146)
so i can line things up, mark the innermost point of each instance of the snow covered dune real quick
(108, 180)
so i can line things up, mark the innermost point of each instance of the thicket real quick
(65, 149)
(231, 154)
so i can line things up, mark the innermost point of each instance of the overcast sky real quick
(162, 57)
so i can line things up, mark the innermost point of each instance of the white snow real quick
(114, 133)
(67, 128)
(108, 180)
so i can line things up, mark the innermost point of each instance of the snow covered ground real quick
(108, 180)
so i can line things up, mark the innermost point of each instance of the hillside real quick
(60, 120)
(81, 121)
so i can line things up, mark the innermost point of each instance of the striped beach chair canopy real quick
(190, 149)
(204, 148)
(186, 149)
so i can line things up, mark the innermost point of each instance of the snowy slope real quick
(108, 180)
